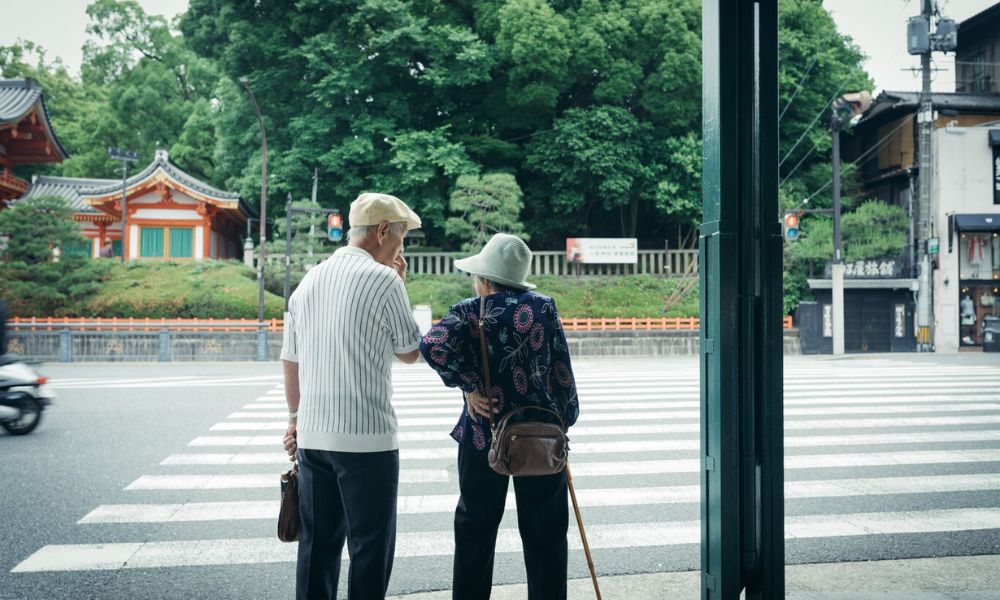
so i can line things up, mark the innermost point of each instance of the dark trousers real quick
(352, 496)
(542, 518)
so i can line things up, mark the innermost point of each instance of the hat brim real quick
(474, 266)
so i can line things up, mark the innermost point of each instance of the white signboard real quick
(602, 251)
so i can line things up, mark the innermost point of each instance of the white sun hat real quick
(505, 259)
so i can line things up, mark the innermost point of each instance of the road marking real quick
(260, 480)
(590, 497)
(611, 468)
(237, 440)
(186, 553)
(796, 441)
(693, 427)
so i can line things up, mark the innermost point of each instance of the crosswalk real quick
(879, 453)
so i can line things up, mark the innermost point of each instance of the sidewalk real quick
(951, 578)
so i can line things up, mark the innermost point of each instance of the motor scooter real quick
(24, 394)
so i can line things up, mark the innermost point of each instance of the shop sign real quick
(996, 174)
(933, 246)
(602, 251)
(885, 268)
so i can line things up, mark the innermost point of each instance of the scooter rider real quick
(3, 327)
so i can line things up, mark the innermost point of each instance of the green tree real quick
(31, 280)
(485, 205)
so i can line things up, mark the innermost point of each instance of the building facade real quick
(26, 137)
(966, 200)
(169, 214)
(977, 59)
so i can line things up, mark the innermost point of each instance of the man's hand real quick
(291, 441)
(476, 404)
(400, 265)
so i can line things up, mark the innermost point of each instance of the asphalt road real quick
(160, 480)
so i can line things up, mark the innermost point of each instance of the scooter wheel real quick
(31, 416)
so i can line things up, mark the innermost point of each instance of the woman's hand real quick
(477, 404)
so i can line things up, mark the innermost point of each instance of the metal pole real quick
(925, 317)
(124, 228)
(838, 260)
(262, 252)
(288, 248)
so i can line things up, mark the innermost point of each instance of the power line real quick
(799, 87)
(877, 146)
(796, 168)
(816, 118)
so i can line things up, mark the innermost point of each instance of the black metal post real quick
(835, 133)
(741, 305)
(124, 229)
(261, 253)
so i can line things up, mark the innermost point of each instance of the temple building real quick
(169, 214)
(26, 137)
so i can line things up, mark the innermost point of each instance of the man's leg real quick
(369, 483)
(543, 520)
(321, 541)
(480, 509)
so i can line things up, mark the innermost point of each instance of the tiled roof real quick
(17, 98)
(968, 102)
(70, 188)
(162, 162)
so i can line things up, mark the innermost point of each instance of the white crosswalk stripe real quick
(913, 448)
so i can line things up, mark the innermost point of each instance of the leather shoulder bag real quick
(288, 514)
(522, 448)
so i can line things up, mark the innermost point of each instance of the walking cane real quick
(583, 534)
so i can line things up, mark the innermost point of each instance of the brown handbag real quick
(522, 448)
(288, 514)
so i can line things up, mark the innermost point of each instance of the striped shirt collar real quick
(355, 251)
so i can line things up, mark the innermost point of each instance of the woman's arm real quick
(448, 349)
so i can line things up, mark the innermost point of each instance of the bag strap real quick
(486, 362)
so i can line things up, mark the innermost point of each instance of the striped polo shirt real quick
(345, 321)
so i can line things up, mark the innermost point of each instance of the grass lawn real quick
(227, 289)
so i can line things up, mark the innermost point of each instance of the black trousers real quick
(352, 496)
(542, 519)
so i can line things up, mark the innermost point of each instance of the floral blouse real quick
(528, 355)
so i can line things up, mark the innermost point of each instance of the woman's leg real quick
(543, 520)
(480, 509)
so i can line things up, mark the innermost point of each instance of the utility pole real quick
(263, 202)
(921, 41)
(126, 156)
(838, 261)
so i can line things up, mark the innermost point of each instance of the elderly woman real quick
(529, 365)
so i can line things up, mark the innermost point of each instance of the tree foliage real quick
(484, 205)
(592, 107)
(31, 280)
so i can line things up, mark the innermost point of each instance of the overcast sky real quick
(877, 26)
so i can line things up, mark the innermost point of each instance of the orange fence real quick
(130, 324)
(640, 324)
(49, 324)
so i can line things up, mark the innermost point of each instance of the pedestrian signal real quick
(334, 227)
(791, 226)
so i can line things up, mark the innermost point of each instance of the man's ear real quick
(382, 232)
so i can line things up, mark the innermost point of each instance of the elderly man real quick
(346, 320)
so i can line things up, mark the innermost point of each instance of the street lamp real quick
(263, 201)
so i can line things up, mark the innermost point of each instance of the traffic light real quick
(791, 226)
(334, 227)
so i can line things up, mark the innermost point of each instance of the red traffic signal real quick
(334, 227)
(791, 226)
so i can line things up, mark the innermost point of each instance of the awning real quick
(981, 222)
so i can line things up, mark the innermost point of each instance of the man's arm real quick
(291, 372)
(407, 357)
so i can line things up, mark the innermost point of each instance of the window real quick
(151, 242)
(980, 77)
(116, 247)
(978, 255)
(181, 242)
(80, 248)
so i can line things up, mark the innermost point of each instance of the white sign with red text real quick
(598, 251)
